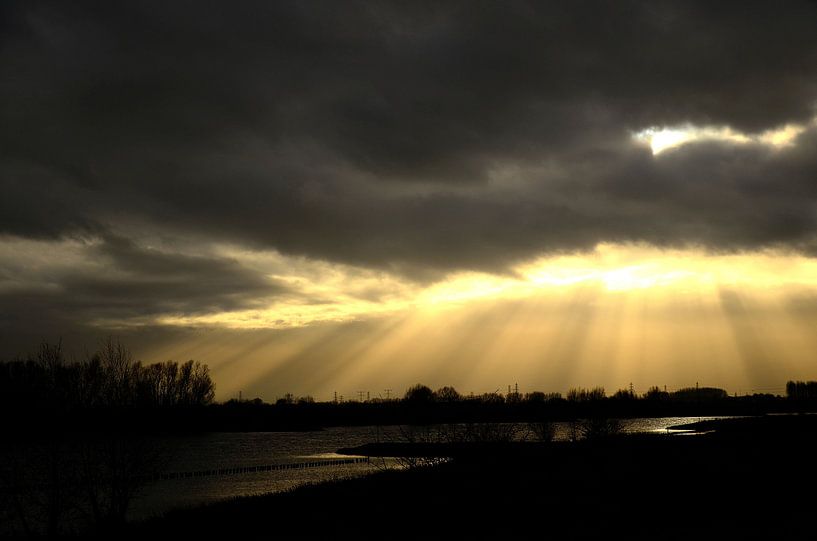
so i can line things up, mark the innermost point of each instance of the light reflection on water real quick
(226, 450)
(660, 424)
(242, 449)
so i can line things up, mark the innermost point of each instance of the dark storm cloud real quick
(155, 282)
(126, 282)
(420, 138)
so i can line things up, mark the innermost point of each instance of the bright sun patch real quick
(661, 138)
(617, 314)
(610, 270)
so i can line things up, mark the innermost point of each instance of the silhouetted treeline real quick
(419, 393)
(109, 388)
(45, 388)
(422, 405)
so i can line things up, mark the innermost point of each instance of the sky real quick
(321, 197)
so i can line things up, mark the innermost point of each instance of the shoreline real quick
(588, 488)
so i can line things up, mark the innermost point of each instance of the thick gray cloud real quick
(420, 139)
(120, 283)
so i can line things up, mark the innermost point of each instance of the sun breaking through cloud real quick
(661, 139)
(324, 192)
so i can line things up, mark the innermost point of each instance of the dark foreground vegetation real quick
(107, 390)
(77, 436)
(750, 478)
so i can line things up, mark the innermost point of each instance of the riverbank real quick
(742, 479)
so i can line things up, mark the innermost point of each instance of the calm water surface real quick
(231, 450)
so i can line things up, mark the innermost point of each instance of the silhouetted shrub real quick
(540, 397)
(491, 432)
(595, 428)
(586, 395)
(543, 431)
(624, 394)
(801, 390)
(447, 394)
(419, 393)
(655, 393)
(492, 398)
(689, 394)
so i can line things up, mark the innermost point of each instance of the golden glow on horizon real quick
(581, 335)
(609, 269)
(617, 314)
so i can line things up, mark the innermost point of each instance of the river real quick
(233, 450)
